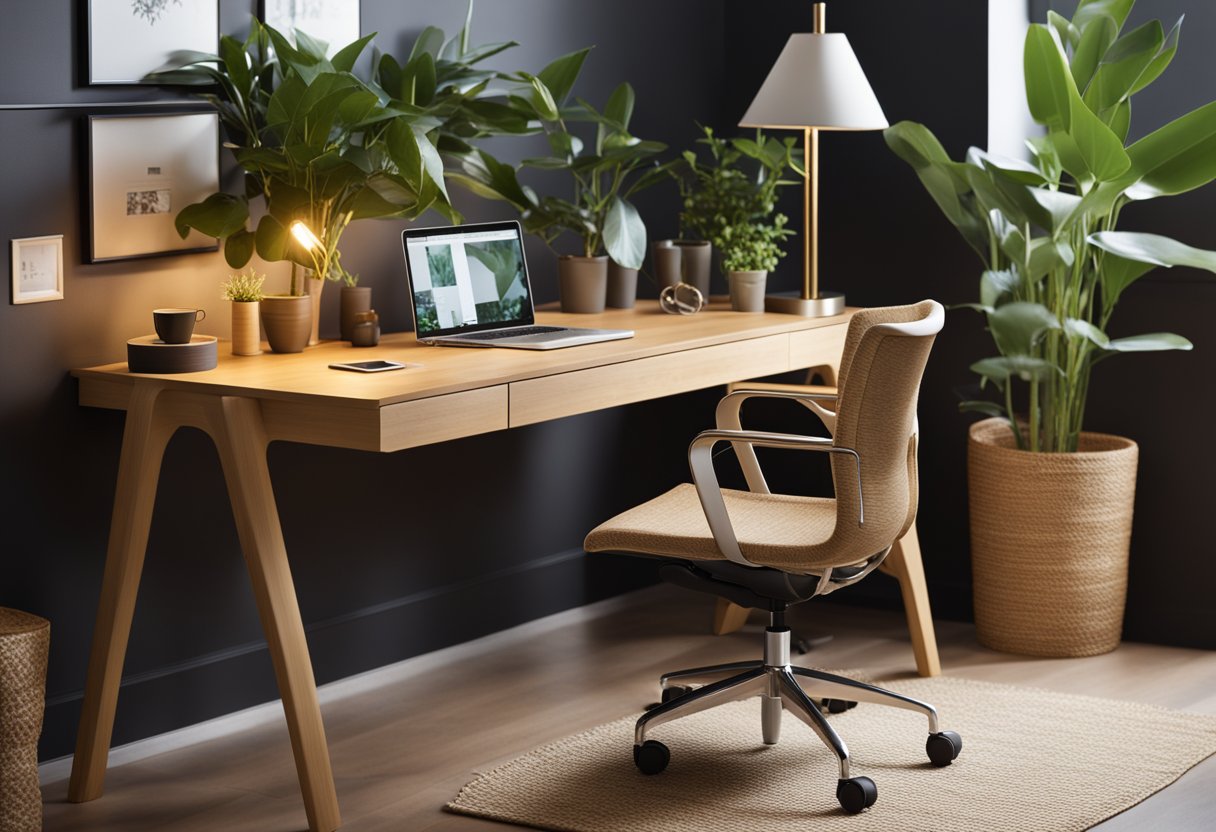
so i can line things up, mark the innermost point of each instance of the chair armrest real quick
(727, 418)
(701, 463)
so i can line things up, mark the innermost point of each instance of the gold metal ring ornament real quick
(681, 299)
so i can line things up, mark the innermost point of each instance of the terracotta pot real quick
(622, 286)
(288, 320)
(1050, 534)
(747, 290)
(583, 283)
(353, 300)
(246, 333)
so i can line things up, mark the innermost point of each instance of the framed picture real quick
(143, 169)
(130, 38)
(38, 269)
(334, 21)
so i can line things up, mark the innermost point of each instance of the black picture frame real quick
(127, 39)
(142, 169)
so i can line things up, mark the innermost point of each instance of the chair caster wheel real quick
(943, 747)
(838, 706)
(674, 692)
(651, 757)
(856, 794)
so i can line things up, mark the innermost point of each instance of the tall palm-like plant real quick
(1055, 265)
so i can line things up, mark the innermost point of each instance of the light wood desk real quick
(247, 402)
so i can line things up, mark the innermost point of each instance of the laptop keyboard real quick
(494, 335)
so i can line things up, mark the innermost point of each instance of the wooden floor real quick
(407, 742)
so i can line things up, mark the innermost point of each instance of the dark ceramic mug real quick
(175, 326)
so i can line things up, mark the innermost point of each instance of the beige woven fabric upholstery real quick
(773, 529)
(880, 374)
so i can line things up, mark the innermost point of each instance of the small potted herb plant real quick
(730, 198)
(244, 289)
(749, 252)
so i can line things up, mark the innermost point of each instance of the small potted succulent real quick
(244, 289)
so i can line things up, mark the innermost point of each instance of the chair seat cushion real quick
(773, 529)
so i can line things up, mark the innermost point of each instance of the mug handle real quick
(199, 315)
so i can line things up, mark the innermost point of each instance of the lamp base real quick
(824, 306)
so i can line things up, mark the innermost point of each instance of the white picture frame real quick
(143, 169)
(130, 38)
(37, 269)
(337, 22)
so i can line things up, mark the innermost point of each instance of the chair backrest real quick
(884, 358)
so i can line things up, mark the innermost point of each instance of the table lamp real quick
(816, 84)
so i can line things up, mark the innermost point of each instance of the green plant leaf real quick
(1124, 63)
(1077, 328)
(1158, 65)
(344, 59)
(624, 234)
(418, 80)
(1065, 31)
(1089, 10)
(996, 286)
(429, 41)
(1151, 342)
(1153, 249)
(219, 216)
(620, 105)
(979, 406)
(1017, 327)
(1046, 255)
(1174, 159)
(559, 76)
(542, 99)
(1116, 274)
(270, 239)
(1094, 41)
(1047, 78)
(1000, 369)
(238, 248)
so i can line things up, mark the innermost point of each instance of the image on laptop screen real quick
(470, 277)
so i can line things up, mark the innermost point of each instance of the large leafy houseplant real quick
(322, 146)
(1055, 265)
(604, 174)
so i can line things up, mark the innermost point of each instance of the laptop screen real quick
(467, 278)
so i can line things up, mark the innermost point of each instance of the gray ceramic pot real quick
(353, 300)
(696, 263)
(288, 321)
(583, 283)
(622, 286)
(747, 291)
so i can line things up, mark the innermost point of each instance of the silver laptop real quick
(469, 286)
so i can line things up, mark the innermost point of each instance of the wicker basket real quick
(24, 642)
(1049, 542)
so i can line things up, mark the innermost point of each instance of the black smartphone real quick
(368, 366)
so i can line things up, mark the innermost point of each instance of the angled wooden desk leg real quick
(905, 565)
(240, 437)
(143, 446)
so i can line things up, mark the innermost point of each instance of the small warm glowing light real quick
(304, 236)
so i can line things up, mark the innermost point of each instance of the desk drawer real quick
(582, 391)
(393, 427)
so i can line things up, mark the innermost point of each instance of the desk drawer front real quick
(393, 427)
(582, 391)
(812, 347)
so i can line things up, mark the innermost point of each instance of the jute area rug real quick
(1032, 760)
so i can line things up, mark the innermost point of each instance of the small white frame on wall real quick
(334, 21)
(38, 269)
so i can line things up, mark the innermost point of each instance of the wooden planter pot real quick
(288, 321)
(1049, 542)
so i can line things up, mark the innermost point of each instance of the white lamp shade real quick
(816, 82)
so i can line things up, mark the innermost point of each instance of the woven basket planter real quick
(1049, 542)
(24, 641)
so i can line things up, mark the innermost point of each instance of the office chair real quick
(770, 551)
